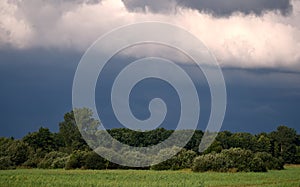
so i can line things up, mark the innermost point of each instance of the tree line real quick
(229, 151)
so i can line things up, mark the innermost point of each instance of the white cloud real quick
(13, 30)
(271, 40)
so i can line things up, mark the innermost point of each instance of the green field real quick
(38, 177)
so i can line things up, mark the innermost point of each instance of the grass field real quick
(38, 177)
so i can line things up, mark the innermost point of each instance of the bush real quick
(212, 162)
(76, 160)
(53, 160)
(59, 162)
(169, 164)
(186, 158)
(93, 161)
(257, 165)
(34, 158)
(234, 159)
(270, 161)
(6, 163)
(203, 163)
(181, 160)
(18, 152)
(239, 158)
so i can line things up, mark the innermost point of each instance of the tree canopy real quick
(67, 149)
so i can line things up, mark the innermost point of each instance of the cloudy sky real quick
(256, 42)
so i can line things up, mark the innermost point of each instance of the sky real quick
(256, 42)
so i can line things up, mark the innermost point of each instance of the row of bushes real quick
(78, 159)
(229, 160)
(235, 160)
(184, 159)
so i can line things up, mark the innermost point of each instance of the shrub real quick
(6, 163)
(76, 160)
(18, 152)
(234, 159)
(181, 160)
(169, 164)
(53, 160)
(203, 163)
(239, 158)
(59, 162)
(270, 161)
(257, 165)
(186, 158)
(34, 158)
(93, 161)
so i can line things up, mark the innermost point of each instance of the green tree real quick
(53, 160)
(243, 140)
(216, 146)
(93, 161)
(284, 141)
(225, 139)
(18, 152)
(263, 144)
(4, 144)
(70, 133)
(42, 139)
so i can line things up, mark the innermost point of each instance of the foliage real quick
(263, 143)
(181, 160)
(233, 159)
(67, 149)
(297, 161)
(43, 139)
(6, 163)
(53, 160)
(93, 161)
(70, 134)
(34, 158)
(18, 152)
(270, 161)
(284, 141)
(76, 160)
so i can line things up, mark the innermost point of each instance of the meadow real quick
(49, 177)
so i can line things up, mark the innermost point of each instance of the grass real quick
(38, 177)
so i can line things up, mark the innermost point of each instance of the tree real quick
(6, 153)
(6, 163)
(53, 160)
(216, 146)
(263, 144)
(284, 141)
(18, 152)
(270, 162)
(86, 124)
(70, 133)
(243, 140)
(297, 155)
(76, 160)
(183, 159)
(4, 144)
(225, 139)
(194, 142)
(43, 139)
(93, 161)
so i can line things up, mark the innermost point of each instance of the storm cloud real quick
(257, 43)
(270, 40)
(216, 7)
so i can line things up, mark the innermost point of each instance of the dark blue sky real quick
(36, 90)
(256, 42)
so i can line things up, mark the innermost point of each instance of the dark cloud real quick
(36, 90)
(216, 7)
